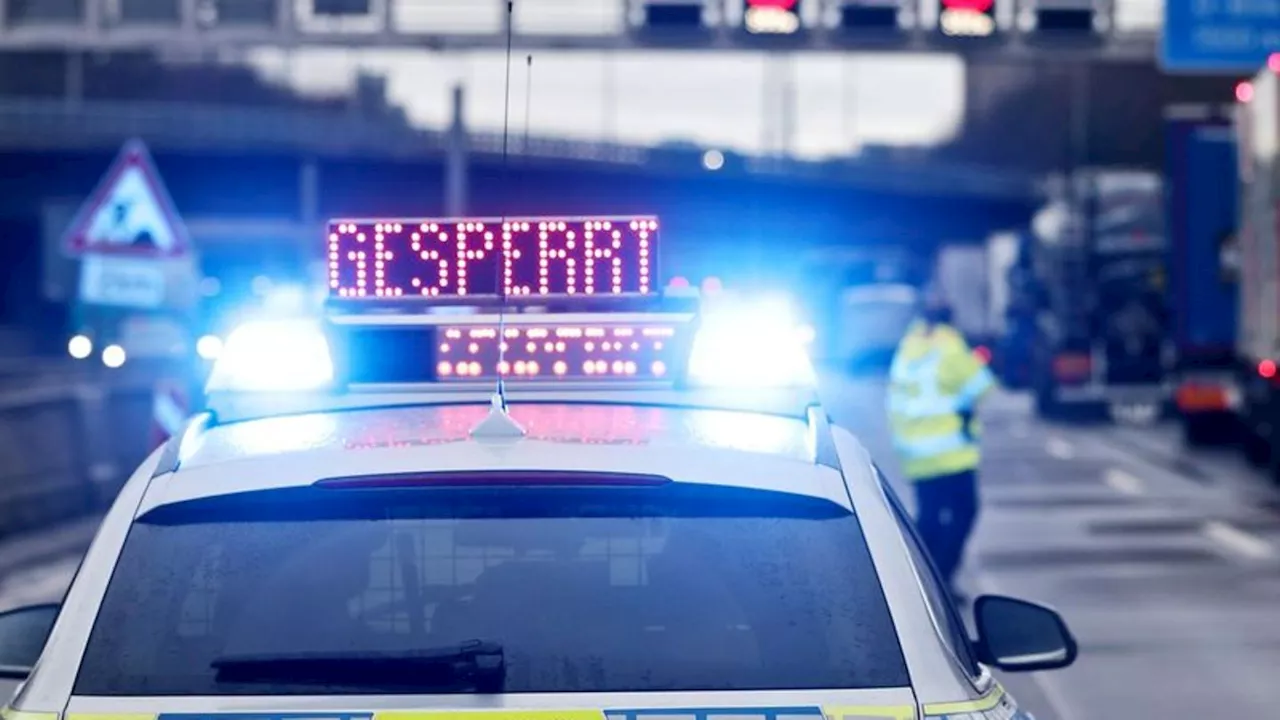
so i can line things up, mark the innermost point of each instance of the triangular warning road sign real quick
(129, 213)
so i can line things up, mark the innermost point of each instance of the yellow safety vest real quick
(935, 378)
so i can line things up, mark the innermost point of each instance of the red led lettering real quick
(552, 351)
(424, 258)
(977, 6)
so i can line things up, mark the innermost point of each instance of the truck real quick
(977, 282)
(1097, 275)
(1002, 253)
(1012, 353)
(1258, 337)
(961, 277)
(1201, 209)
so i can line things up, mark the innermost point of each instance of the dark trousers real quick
(946, 508)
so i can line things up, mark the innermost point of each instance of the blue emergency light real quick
(451, 305)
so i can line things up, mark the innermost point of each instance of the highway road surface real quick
(1166, 563)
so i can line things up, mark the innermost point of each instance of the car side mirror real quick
(23, 632)
(1020, 636)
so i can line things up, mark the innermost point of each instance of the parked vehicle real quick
(1258, 340)
(962, 276)
(1097, 262)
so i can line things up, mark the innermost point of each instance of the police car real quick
(648, 518)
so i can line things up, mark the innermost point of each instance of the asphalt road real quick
(1166, 563)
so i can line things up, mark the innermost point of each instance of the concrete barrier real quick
(66, 449)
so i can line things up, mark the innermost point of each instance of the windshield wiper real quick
(472, 665)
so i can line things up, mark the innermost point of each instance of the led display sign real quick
(558, 351)
(771, 17)
(873, 15)
(967, 18)
(667, 15)
(516, 258)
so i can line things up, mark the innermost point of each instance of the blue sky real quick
(712, 99)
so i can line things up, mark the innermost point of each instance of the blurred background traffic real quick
(1088, 183)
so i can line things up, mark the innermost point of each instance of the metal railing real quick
(192, 26)
(30, 123)
(53, 124)
(66, 447)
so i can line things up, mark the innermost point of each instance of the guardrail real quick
(66, 448)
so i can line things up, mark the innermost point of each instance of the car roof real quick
(727, 448)
(701, 446)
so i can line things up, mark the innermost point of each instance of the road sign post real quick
(129, 213)
(1218, 36)
(170, 407)
(135, 258)
(121, 281)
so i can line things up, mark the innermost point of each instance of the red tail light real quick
(1072, 367)
(1267, 369)
(983, 353)
(1199, 397)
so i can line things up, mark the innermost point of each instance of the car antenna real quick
(528, 104)
(498, 423)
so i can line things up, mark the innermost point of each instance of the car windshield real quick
(676, 587)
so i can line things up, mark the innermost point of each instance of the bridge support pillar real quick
(1081, 87)
(74, 83)
(778, 121)
(787, 104)
(309, 191)
(455, 160)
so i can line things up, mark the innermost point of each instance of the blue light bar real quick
(409, 319)
(543, 349)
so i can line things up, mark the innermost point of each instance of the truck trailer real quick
(1258, 339)
(1201, 215)
(962, 278)
(1007, 360)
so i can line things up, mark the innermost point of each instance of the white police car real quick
(659, 525)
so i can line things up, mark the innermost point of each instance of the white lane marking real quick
(1059, 448)
(1122, 482)
(1237, 540)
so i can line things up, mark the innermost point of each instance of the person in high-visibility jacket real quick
(935, 384)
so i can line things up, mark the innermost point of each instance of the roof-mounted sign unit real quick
(440, 309)
(487, 261)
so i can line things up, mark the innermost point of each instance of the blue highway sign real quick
(1227, 36)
